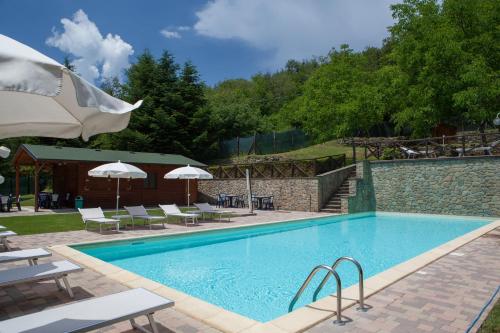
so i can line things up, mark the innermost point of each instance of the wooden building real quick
(69, 168)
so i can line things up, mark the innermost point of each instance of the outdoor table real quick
(231, 196)
(123, 217)
(259, 199)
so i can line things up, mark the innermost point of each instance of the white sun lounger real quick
(205, 208)
(173, 210)
(54, 270)
(32, 255)
(2, 227)
(97, 215)
(410, 153)
(91, 314)
(139, 212)
(3, 238)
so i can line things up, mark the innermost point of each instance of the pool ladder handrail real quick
(306, 283)
(332, 271)
(360, 280)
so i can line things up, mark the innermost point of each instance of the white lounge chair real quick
(92, 314)
(32, 255)
(205, 208)
(139, 212)
(54, 270)
(97, 215)
(410, 153)
(173, 210)
(487, 150)
(2, 227)
(3, 238)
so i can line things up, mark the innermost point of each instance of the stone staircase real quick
(334, 204)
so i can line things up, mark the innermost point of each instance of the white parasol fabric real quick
(117, 170)
(40, 97)
(4, 152)
(188, 172)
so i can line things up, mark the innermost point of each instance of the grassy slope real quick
(319, 150)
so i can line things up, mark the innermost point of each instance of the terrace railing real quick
(444, 146)
(280, 169)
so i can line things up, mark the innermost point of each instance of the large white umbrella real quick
(4, 152)
(41, 97)
(188, 172)
(117, 170)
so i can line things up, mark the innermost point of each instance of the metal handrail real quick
(360, 283)
(315, 270)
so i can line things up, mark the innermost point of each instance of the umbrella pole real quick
(117, 194)
(189, 194)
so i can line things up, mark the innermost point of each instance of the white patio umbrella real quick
(117, 170)
(4, 152)
(188, 172)
(41, 97)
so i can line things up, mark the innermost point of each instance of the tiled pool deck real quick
(444, 296)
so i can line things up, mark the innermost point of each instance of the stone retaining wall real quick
(289, 193)
(458, 186)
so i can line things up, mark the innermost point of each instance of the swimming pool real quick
(255, 271)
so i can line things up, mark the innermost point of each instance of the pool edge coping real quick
(296, 321)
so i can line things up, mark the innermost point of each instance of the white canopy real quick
(117, 170)
(188, 172)
(1, 179)
(40, 97)
(4, 152)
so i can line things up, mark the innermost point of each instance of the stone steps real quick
(334, 204)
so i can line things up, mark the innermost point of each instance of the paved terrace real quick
(442, 297)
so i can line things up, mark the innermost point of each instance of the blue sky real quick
(223, 38)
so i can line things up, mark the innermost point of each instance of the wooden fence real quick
(280, 169)
(445, 146)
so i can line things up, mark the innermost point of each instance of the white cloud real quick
(183, 28)
(296, 29)
(169, 34)
(96, 57)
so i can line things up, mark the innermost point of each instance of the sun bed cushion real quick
(23, 255)
(89, 314)
(37, 273)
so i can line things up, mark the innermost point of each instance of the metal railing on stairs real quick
(332, 271)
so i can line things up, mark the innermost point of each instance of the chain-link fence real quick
(26, 184)
(265, 143)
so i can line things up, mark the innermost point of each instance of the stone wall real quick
(329, 182)
(362, 196)
(458, 186)
(289, 193)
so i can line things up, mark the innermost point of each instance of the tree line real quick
(440, 64)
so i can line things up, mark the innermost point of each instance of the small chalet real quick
(69, 169)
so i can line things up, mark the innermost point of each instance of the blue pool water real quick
(255, 271)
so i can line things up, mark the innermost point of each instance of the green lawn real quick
(46, 223)
(323, 149)
(492, 322)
